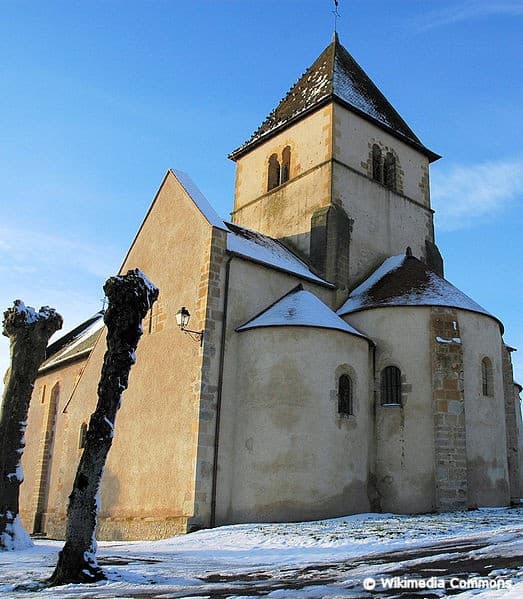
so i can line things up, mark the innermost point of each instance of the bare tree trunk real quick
(29, 332)
(130, 297)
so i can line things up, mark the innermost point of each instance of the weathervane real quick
(336, 14)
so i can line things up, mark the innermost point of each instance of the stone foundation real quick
(126, 529)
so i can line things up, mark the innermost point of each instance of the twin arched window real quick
(390, 386)
(384, 168)
(345, 395)
(279, 173)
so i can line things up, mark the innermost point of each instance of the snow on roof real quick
(78, 345)
(406, 281)
(353, 85)
(199, 199)
(268, 251)
(335, 75)
(299, 308)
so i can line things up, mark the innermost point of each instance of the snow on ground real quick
(329, 558)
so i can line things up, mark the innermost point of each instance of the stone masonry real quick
(449, 410)
(511, 425)
(210, 312)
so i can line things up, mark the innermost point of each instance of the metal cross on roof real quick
(336, 14)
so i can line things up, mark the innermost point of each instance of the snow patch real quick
(30, 315)
(15, 537)
(449, 341)
(265, 250)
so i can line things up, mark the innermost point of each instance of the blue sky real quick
(99, 98)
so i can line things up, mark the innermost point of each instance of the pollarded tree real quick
(29, 333)
(130, 297)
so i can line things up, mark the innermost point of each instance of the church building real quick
(327, 367)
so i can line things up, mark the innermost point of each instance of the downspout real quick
(219, 395)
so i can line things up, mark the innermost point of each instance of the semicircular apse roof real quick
(299, 308)
(406, 281)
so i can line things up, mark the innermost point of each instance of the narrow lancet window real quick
(345, 394)
(83, 436)
(486, 377)
(285, 164)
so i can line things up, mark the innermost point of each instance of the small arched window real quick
(345, 394)
(389, 171)
(285, 164)
(273, 179)
(377, 170)
(486, 377)
(391, 386)
(83, 436)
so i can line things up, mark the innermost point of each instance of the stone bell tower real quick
(336, 174)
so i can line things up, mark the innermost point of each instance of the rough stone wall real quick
(330, 243)
(285, 212)
(511, 425)
(209, 310)
(449, 410)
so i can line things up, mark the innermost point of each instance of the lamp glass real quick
(182, 317)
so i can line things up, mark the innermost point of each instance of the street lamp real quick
(182, 320)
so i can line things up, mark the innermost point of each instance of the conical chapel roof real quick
(406, 281)
(335, 76)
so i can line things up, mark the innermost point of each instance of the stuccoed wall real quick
(353, 139)
(148, 488)
(285, 212)
(484, 416)
(32, 459)
(293, 457)
(404, 435)
(252, 289)
(385, 222)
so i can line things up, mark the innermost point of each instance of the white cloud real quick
(464, 195)
(31, 250)
(465, 11)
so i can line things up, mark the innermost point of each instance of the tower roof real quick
(335, 77)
